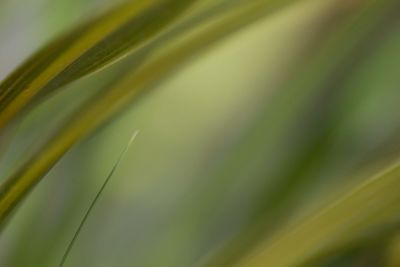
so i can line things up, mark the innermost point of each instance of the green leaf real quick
(84, 50)
(113, 99)
(370, 205)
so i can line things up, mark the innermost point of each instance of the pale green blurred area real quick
(178, 195)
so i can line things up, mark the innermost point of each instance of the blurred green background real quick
(234, 144)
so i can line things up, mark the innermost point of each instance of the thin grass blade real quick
(95, 199)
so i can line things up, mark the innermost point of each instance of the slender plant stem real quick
(95, 199)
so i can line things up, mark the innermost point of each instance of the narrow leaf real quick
(372, 204)
(86, 49)
(95, 199)
(118, 96)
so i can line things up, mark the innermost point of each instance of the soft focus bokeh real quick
(263, 127)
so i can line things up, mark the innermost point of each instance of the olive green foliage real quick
(268, 133)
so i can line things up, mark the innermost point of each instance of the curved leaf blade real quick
(86, 49)
(118, 96)
(372, 203)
